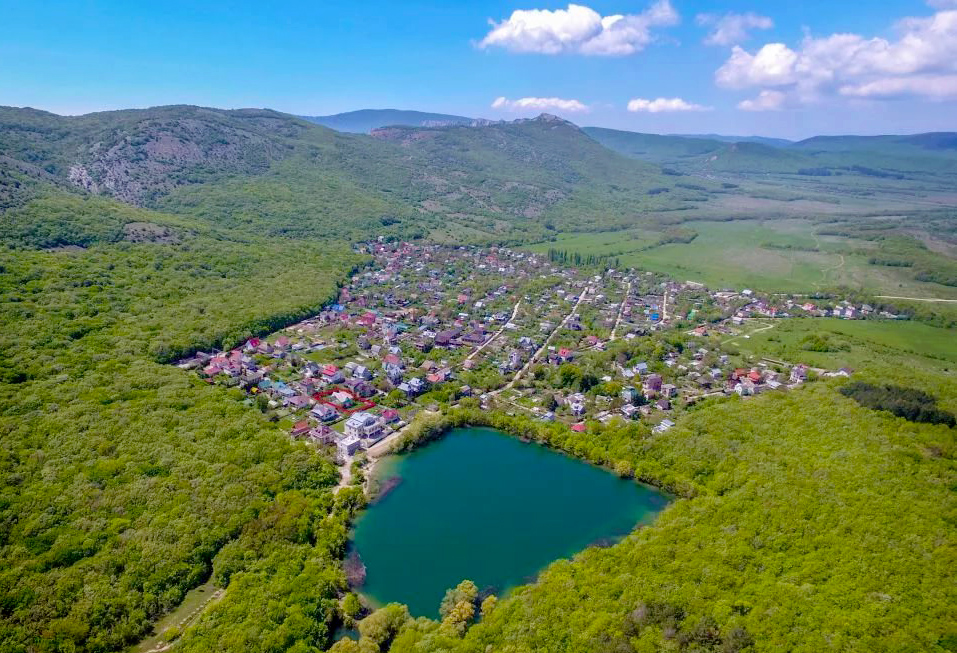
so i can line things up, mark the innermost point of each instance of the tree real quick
(466, 591)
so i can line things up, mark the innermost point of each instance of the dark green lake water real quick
(482, 505)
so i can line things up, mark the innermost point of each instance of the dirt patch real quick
(149, 232)
(66, 248)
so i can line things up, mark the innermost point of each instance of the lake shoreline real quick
(462, 495)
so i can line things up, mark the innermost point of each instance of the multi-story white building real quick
(364, 425)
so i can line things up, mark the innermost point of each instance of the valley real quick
(215, 322)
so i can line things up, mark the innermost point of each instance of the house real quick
(331, 374)
(799, 373)
(663, 404)
(363, 425)
(445, 338)
(324, 412)
(579, 427)
(744, 387)
(669, 390)
(348, 445)
(362, 372)
(300, 429)
(629, 393)
(565, 355)
(663, 426)
(322, 434)
(629, 411)
(390, 415)
(394, 372)
(360, 387)
(514, 360)
(652, 383)
(343, 399)
(297, 402)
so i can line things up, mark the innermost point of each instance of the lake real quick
(482, 505)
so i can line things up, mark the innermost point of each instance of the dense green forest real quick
(909, 403)
(123, 478)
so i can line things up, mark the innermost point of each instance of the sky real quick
(735, 67)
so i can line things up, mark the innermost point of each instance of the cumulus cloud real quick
(773, 65)
(921, 62)
(731, 28)
(663, 105)
(540, 104)
(767, 100)
(579, 29)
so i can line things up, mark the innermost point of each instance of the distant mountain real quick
(655, 148)
(763, 140)
(365, 120)
(939, 143)
(925, 156)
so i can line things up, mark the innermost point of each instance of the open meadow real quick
(784, 255)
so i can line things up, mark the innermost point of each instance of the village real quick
(423, 327)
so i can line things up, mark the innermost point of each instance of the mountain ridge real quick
(366, 120)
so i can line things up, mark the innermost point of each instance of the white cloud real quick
(942, 4)
(662, 105)
(540, 104)
(579, 29)
(932, 86)
(772, 65)
(921, 62)
(730, 28)
(766, 100)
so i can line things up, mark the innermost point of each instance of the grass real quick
(195, 599)
(912, 352)
(782, 255)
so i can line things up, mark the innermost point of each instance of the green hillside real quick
(655, 148)
(269, 173)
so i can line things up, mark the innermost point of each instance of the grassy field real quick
(771, 255)
(912, 352)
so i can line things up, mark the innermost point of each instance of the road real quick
(497, 333)
(382, 446)
(918, 299)
(621, 310)
(543, 348)
(770, 325)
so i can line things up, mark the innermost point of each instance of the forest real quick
(909, 403)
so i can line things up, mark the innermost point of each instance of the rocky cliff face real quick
(137, 156)
(160, 155)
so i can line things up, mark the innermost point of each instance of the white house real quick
(348, 445)
(363, 425)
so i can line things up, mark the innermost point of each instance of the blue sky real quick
(892, 69)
